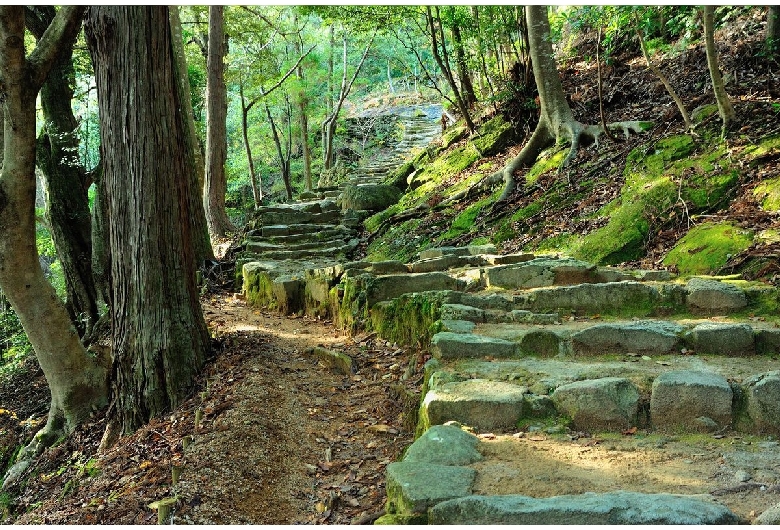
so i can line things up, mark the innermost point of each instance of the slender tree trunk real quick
(284, 165)
(772, 39)
(77, 381)
(67, 182)
(390, 85)
(303, 121)
(467, 87)
(725, 109)
(257, 191)
(441, 57)
(159, 335)
(669, 89)
(216, 129)
(203, 248)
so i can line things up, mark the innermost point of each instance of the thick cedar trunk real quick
(67, 182)
(725, 109)
(200, 231)
(216, 129)
(76, 380)
(159, 335)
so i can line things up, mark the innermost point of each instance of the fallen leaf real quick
(630, 431)
(320, 507)
(382, 428)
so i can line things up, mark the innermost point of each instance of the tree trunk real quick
(772, 39)
(257, 190)
(442, 59)
(466, 86)
(556, 121)
(67, 182)
(77, 381)
(303, 122)
(200, 231)
(159, 335)
(284, 164)
(725, 109)
(216, 129)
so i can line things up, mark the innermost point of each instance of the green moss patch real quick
(548, 160)
(410, 320)
(494, 135)
(768, 192)
(707, 247)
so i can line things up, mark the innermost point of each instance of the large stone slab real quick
(540, 272)
(733, 340)
(448, 345)
(763, 401)
(445, 445)
(480, 403)
(649, 337)
(622, 297)
(690, 400)
(472, 250)
(614, 508)
(413, 487)
(462, 312)
(713, 295)
(387, 287)
(606, 404)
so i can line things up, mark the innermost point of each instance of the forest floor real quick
(284, 440)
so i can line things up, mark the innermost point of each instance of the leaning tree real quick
(76, 379)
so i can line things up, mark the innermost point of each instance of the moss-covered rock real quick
(707, 247)
(768, 192)
(371, 197)
(445, 166)
(453, 134)
(493, 136)
(410, 319)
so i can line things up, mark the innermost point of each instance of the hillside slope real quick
(662, 199)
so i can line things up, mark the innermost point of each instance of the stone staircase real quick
(553, 344)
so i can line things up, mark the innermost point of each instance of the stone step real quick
(333, 252)
(335, 232)
(678, 394)
(636, 337)
(294, 229)
(263, 246)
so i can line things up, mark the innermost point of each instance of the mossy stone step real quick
(318, 252)
(292, 229)
(262, 246)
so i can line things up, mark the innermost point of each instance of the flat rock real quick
(594, 298)
(457, 326)
(413, 487)
(614, 508)
(472, 250)
(387, 287)
(462, 312)
(540, 272)
(446, 445)
(448, 345)
(733, 340)
(687, 399)
(608, 403)
(437, 264)
(714, 295)
(479, 403)
(763, 399)
(650, 337)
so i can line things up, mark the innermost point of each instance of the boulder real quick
(733, 340)
(614, 508)
(763, 401)
(413, 487)
(687, 400)
(445, 445)
(479, 403)
(712, 295)
(544, 342)
(448, 345)
(371, 197)
(599, 404)
(649, 337)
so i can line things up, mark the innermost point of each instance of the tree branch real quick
(66, 25)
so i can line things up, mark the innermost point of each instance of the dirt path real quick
(281, 439)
